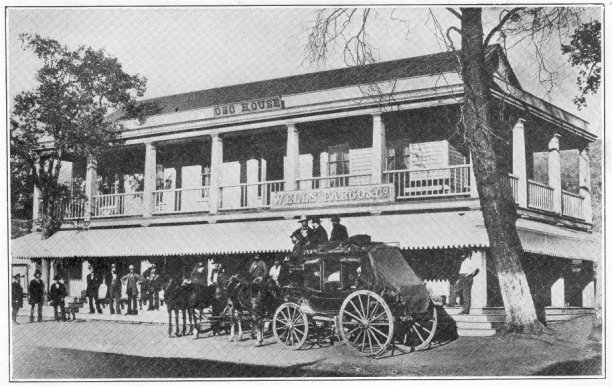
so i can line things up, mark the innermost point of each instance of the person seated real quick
(258, 269)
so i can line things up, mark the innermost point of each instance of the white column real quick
(479, 286)
(588, 295)
(216, 171)
(554, 171)
(150, 174)
(379, 148)
(292, 161)
(84, 271)
(323, 167)
(584, 178)
(473, 186)
(35, 203)
(557, 293)
(519, 162)
(252, 176)
(91, 186)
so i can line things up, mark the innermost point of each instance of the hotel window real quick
(205, 181)
(338, 164)
(398, 155)
(159, 177)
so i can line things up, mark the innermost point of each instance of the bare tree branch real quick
(454, 12)
(503, 20)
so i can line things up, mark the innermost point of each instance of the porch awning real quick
(409, 231)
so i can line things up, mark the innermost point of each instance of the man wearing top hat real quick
(155, 286)
(16, 296)
(339, 232)
(36, 290)
(57, 294)
(132, 279)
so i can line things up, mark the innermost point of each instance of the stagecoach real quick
(364, 293)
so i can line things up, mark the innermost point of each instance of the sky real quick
(182, 49)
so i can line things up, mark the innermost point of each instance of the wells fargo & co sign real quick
(366, 194)
(233, 109)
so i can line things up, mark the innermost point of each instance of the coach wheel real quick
(290, 326)
(421, 329)
(366, 323)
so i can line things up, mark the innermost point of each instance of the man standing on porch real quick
(36, 290)
(132, 280)
(113, 284)
(91, 292)
(463, 286)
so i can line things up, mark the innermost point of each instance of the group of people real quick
(140, 290)
(306, 237)
(36, 291)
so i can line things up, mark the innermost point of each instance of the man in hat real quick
(131, 280)
(16, 296)
(318, 235)
(304, 229)
(199, 274)
(91, 292)
(57, 294)
(113, 285)
(258, 269)
(36, 290)
(298, 244)
(155, 286)
(339, 232)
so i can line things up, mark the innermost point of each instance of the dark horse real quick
(177, 298)
(255, 301)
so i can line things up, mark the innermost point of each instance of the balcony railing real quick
(420, 183)
(181, 200)
(75, 209)
(249, 195)
(539, 196)
(113, 205)
(509, 186)
(572, 205)
(334, 181)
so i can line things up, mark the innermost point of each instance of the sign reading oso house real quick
(254, 106)
(366, 194)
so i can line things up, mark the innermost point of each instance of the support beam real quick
(150, 175)
(45, 269)
(252, 176)
(91, 186)
(584, 179)
(473, 186)
(479, 286)
(379, 148)
(292, 161)
(519, 162)
(36, 204)
(216, 171)
(554, 171)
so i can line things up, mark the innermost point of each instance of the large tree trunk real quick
(499, 213)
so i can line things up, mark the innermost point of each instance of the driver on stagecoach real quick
(199, 274)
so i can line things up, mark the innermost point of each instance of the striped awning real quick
(441, 230)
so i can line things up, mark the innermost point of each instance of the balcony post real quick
(519, 163)
(150, 174)
(36, 203)
(216, 172)
(584, 177)
(292, 160)
(378, 148)
(473, 186)
(91, 186)
(554, 171)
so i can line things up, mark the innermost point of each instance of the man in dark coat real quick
(113, 285)
(318, 235)
(57, 293)
(155, 286)
(16, 296)
(304, 229)
(91, 292)
(339, 232)
(199, 274)
(132, 279)
(36, 290)
(258, 268)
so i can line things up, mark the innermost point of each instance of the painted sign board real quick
(254, 106)
(363, 194)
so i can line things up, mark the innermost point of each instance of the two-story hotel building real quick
(225, 173)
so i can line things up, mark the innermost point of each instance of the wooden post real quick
(150, 175)
(554, 171)
(91, 186)
(584, 178)
(519, 162)
(292, 160)
(379, 148)
(216, 171)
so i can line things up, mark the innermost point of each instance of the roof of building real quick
(431, 64)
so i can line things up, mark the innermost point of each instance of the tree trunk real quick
(499, 213)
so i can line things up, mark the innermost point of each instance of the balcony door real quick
(338, 165)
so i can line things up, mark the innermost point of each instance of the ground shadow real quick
(590, 366)
(447, 328)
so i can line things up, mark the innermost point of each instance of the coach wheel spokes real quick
(290, 326)
(422, 329)
(366, 323)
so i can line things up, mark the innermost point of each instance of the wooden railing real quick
(333, 181)
(572, 205)
(539, 196)
(75, 209)
(253, 195)
(509, 186)
(125, 204)
(449, 181)
(181, 200)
